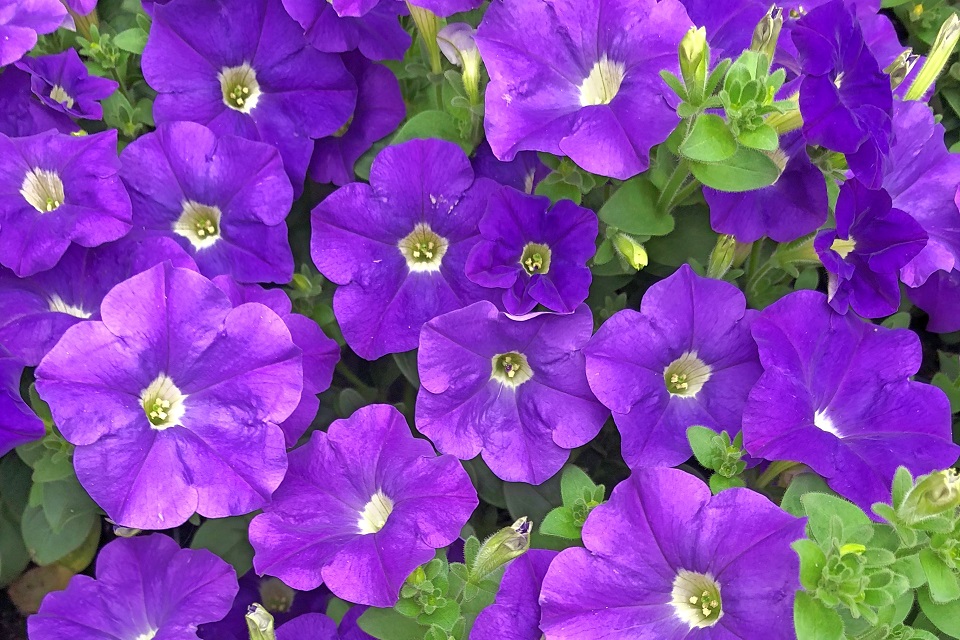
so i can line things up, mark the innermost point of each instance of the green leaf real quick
(821, 508)
(13, 553)
(949, 387)
(387, 624)
(902, 483)
(633, 208)
(470, 549)
(575, 484)
(559, 190)
(444, 617)
(800, 486)
(535, 502)
(65, 500)
(946, 617)
(897, 321)
(701, 442)
(710, 140)
(227, 538)
(763, 138)
(46, 546)
(132, 40)
(812, 562)
(910, 568)
(814, 621)
(560, 523)
(432, 124)
(746, 170)
(941, 580)
(720, 483)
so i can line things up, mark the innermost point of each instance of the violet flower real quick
(21, 22)
(173, 399)
(686, 358)
(373, 28)
(397, 247)
(62, 82)
(580, 78)
(224, 199)
(21, 114)
(836, 395)
(55, 190)
(361, 507)
(145, 587)
(665, 559)
(510, 389)
(446, 8)
(523, 173)
(939, 296)
(517, 605)
(18, 424)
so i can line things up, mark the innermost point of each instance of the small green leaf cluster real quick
(580, 496)
(718, 453)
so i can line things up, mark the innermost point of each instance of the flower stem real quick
(775, 469)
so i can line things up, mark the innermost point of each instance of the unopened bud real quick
(767, 33)
(695, 62)
(500, 548)
(428, 24)
(900, 68)
(933, 494)
(940, 52)
(631, 251)
(721, 258)
(457, 43)
(260, 623)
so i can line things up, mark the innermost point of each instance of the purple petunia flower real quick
(664, 559)
(579, 78)
(18, 424)
(535, 252)
(845, 98)
(376, 31)
(517, 606)
(510, 389)
(62, 82)
(836, 395)
(686, 358)
(314, 626)
(397, 247)
(320, 353)
(243, 67)
(361, 507)
(21, 114)
(223, 199)
(55, 190)
(39, 308)
(939, 296)
(523, 173)
(445, 8)
(380, 110)
(922, 177)
(865, 252)
(173, 400)
(146, 587)
(21, 22)
(795, 205)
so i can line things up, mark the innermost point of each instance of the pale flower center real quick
(843, 247)
(43, 190)
(536, 258)
(57, 305)
(823, 422)
(686, 375)
(149, 635)
(59, 94)
(163, 403)
(276, 596)
(241, 91)
(603, 83)
(423, 249)
(375, 513)
(511, 369)
(696, 599)
(198, 223)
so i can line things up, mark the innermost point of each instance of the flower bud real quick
(260, 623)
(721, 258)
(500, 548)
(631, 250)
(767, 33)
(457, 43)
(900, 68)
(428, 25)
(933, 494)
(940, 52)
(694, 62)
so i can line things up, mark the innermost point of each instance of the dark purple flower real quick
(21, 22)
(243, 67)
(939, 296)
(523, 173)
(55, 190)
(865, 252)
(39, 308)
(361, 507)
(845, 98)
(664, 559)
(510, 389)
(836, 395)
(146, 587)
(18, 424)
(81, 7)
(922, 177)
(397, 247)
(224, 199)
(579, 78)
(320, 353)
(517, 606)
(792, 207)
(535, 252)
(686, 358)
(314, 626)
(380, 110)
(21, 113)
(62, 82)
(173, 400)
(444, 8)
(377, 32)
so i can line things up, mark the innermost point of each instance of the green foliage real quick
(717, 452)
(227, 538)
(580, 495)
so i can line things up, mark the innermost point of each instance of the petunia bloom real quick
(21, 114)
(372, 26)
(535, 252)
(21, 23)
(445, 8)
(145, 587)
(397, 247)
(865, 252)
(517, 605)
(62, 82)
(173, 400)
(580, 78)
(939, 296)
(510, 389)
(845, 98)
(243, 67)
(223, 199)
(665, 559)
(836, 395)
(18, 424)
(361, 507)
(55, 190)
(380, 110)
(523, 173)
(686, 358)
